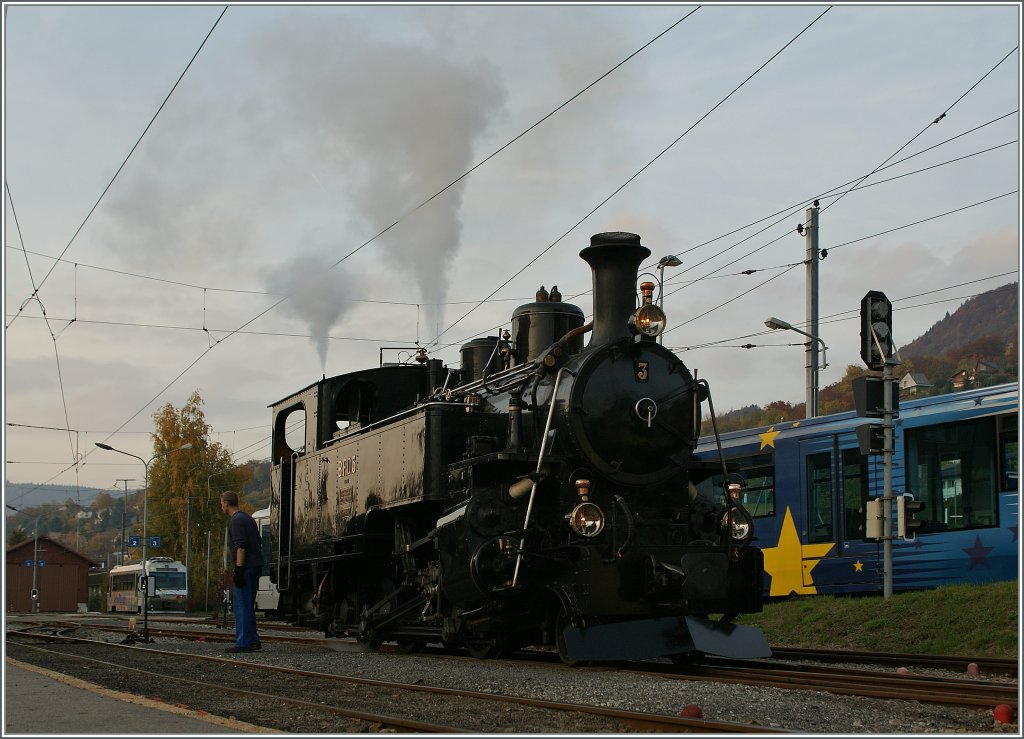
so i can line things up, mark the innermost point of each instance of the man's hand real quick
(239, 576)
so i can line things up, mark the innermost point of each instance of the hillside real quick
(980, 338)
(991, 314)
(23, 495)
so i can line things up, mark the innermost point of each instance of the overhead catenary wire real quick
(833, 192)
(636, 174)
(844, 315)
(933, 123)
(37, 288)
(389, 227)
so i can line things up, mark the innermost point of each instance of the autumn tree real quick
(17, 536)
(185, 486)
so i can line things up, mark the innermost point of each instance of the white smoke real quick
(318, 125)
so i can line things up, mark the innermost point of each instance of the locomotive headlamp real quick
(739, 524)
(587, 520)
(648, 319)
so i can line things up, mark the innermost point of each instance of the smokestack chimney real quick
(614, 258)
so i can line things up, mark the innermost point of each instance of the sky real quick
(242, 203)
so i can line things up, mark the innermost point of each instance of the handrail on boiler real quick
(540, 463)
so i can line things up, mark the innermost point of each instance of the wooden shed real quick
(61, 576)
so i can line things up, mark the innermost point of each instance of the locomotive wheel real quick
(561, 624)
(408, 646)
(487, 649)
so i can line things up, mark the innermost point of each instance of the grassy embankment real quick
(967, 620)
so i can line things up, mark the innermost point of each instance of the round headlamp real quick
(739, 524)
(587, 520)
(648, 320)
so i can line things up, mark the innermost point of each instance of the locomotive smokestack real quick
(614, 258)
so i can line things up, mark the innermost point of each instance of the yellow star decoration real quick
(768, 437)
(789, 562)
(858, 566)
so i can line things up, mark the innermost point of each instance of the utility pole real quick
(124, 516)
(811, 239)
(888, 386)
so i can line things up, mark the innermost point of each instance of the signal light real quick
(875, 329)
(873, 519)
(906, 524)
(869, 396)
(871, 438)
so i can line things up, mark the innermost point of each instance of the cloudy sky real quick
(221, 232)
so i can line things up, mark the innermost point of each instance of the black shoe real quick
(236, 650)
(256, 646)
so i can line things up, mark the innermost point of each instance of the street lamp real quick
(670, 260)
(811, 404)
(145, 510)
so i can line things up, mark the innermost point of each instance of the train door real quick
(834, 484)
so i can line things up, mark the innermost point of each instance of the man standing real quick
(247, 556)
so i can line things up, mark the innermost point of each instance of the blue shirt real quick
(244, 534)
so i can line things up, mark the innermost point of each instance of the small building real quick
(967, 377)
(61, 576)
(913, 382)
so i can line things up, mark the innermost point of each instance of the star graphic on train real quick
(789, 563)
(978, 553)
(768, 437)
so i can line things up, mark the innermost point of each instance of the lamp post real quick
(124, 515)
(670, 260)
(209, 495)
(145, 510)
(34, 596)
(811, 404)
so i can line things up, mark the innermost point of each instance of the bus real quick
(807, 486)
(169, 593)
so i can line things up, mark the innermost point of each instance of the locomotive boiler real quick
(540, 494)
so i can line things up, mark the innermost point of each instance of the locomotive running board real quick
(663, 637)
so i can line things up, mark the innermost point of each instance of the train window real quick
(952, 468)
(295, 430)
(855, 492)
(819, 497)
(758, 495)
(265, 536)
(170, 580)
(354, 403)
(1009, 453)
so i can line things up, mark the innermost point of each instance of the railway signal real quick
(871, 438)
(875, 329)
(878, 397)
(906, 524)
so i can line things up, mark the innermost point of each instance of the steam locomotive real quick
(542, 494)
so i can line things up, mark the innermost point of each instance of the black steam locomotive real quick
(541, 494)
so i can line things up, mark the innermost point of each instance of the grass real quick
(965, 620)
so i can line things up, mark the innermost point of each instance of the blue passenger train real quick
(807, 486)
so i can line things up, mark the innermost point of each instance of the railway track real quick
(839, 681)
(952, 696)
(342, 697)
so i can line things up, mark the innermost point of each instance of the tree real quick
(184, 486)
(17, 536)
